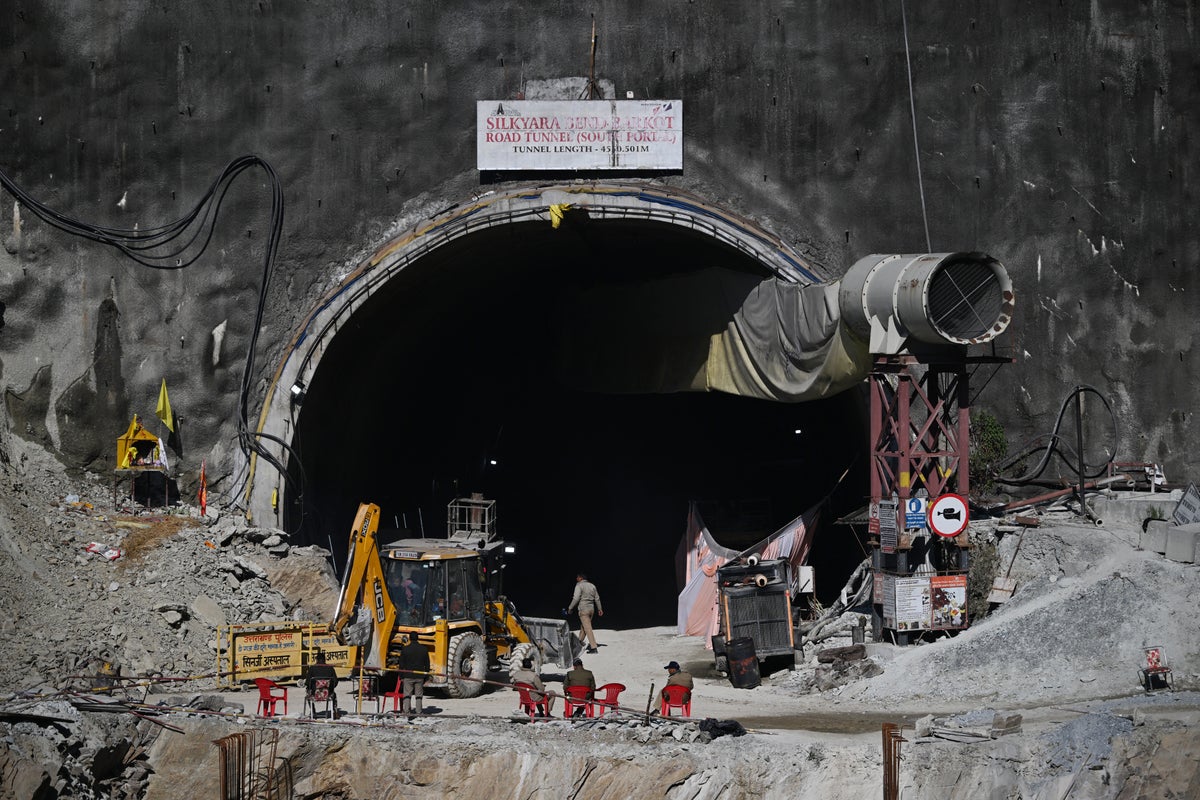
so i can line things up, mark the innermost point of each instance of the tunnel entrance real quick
(526, 363)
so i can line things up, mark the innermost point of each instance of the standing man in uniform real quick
(588, 601)
(414, 667)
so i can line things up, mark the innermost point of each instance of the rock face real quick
(1089, 210)
(1100, 756)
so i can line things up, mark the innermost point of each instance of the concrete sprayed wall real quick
(1055, 136)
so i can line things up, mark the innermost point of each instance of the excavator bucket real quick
(553, 637)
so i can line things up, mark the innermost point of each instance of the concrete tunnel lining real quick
(380, 294)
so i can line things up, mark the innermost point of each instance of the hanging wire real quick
(912, 107)
(1054, 444)
(179, 244)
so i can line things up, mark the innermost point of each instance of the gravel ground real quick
(1063, 652)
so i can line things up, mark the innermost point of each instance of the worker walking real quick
(414, 668)
(587, 599)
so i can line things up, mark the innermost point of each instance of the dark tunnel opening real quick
(521, 362)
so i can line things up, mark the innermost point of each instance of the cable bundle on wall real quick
(180, 244)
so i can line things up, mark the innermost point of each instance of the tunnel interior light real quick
(508, 548)
(798, 431)
(298, 392)
(493, 462)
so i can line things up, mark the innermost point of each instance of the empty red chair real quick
(396, 695)
(606, 697)
(676, 697)
(267, 697)
(528, 704)
(578, 697)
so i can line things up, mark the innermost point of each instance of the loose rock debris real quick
(75, 724)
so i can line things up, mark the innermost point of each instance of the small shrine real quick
(140, 455)
(139, 448)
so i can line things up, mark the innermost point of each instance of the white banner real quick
(524, 135)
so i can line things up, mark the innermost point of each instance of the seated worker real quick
(677, 677)
(526, 675)
(578, 676)
(321, 670)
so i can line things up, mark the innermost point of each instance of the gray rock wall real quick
(1056, 137)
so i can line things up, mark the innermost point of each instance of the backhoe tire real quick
(521, 652)
(466, 665)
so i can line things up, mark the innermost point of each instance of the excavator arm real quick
(364, 588)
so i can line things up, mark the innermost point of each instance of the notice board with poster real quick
(912, 603)
(948, 597)
(922, 602)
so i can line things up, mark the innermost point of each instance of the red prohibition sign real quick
(948, 515)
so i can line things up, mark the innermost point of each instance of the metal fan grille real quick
(965, 299)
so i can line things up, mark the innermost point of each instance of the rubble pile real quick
(140, 605)
(58, 751)
(90, 594)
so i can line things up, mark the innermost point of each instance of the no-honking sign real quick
(948, 515)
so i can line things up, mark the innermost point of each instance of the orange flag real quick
(203, 493)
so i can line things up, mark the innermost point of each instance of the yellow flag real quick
(164, 407)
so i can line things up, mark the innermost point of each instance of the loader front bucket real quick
(553, 637)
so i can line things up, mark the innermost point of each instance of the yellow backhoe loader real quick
(447, 593)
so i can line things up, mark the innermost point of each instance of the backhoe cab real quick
(447, 593)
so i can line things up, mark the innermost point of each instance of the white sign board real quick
(1187, 510)
(524, 135)
(805, 583)
(888, 537)
(889, 601)
(912, 604)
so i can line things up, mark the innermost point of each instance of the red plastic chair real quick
(606, 697)
(577, 697)
(528, 704)
(676, 697)
(267, 698)
(396, 695)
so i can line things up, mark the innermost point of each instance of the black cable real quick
(1054, 445)
(170, 247)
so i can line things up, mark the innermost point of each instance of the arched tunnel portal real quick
(542, 366)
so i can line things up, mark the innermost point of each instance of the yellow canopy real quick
(138, 444)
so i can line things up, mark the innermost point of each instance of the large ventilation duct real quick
(934, 298)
